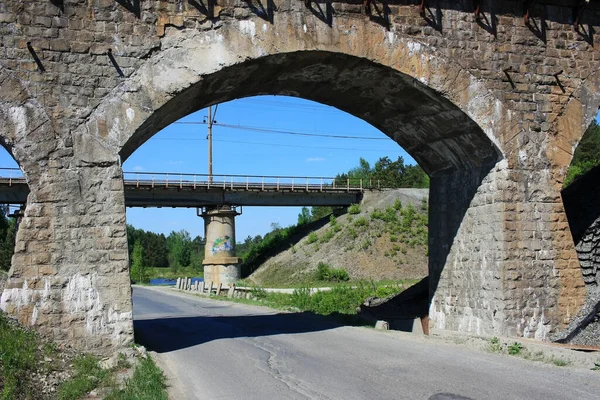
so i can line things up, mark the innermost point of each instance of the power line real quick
(284, 132)
(277, 145)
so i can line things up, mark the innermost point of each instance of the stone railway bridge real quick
(491, 103)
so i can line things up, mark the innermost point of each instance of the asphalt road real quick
(217, 350)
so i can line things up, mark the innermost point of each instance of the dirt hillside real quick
(385, 237)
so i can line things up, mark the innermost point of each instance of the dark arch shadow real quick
(450, 147)
(169, 334)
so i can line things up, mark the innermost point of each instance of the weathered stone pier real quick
(220, 262)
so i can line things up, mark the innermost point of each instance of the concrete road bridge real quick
(490, 98)
(172, 189)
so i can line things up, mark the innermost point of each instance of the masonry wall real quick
(503, 256)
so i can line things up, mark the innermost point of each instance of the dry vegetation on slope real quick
(383, 238)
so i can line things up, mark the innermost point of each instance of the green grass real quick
(88, 376)
(148, 382)
(342, 299)
(18, 358)
(596, 366)
(23, 354)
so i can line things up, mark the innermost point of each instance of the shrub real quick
(352, 233)
(354, 209)
(398, 205)
(327, 236)
(312, 237)
(362, 221)
(377, 214)
(495, 346)
(515, 349)
(326, 273)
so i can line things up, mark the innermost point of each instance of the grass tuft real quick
(148, 382)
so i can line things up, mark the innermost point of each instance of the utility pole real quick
(209, 137)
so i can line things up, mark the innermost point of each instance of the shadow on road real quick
(169, 334)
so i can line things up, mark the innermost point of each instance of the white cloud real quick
(138, 168)
(175, 162)
(315, 159)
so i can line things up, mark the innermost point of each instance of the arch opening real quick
(449, 145)
(338, 143)
(580, 199)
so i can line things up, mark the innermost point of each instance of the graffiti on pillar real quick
(221, 244)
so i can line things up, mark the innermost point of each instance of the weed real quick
(366, 244)
(515, 349)
(495, 346)
(148, 382)
(353, 209)
(258, 292)
(332, 220)
(17, 356)
(122, 362)
(293, 249)
(537, 356)
(88, 375)
(362, 221)
(393, 238)
(559, 362)
(327, 236)
(352, 233)
(301, 298)
(596, 366)
(397, 205)
(377, 214)
(312, 237)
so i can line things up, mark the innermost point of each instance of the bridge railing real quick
(11, 175)
(245, 182)
(229, 181)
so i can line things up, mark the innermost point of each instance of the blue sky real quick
(183, 148)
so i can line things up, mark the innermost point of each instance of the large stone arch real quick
(496, 261)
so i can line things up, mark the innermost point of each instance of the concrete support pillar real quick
(220, 262)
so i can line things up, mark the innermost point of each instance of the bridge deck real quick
(200, 193)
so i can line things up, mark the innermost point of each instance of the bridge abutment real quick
(70, 271)
(221, 265)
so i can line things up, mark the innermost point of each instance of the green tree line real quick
(153, 250)
(7, 238)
